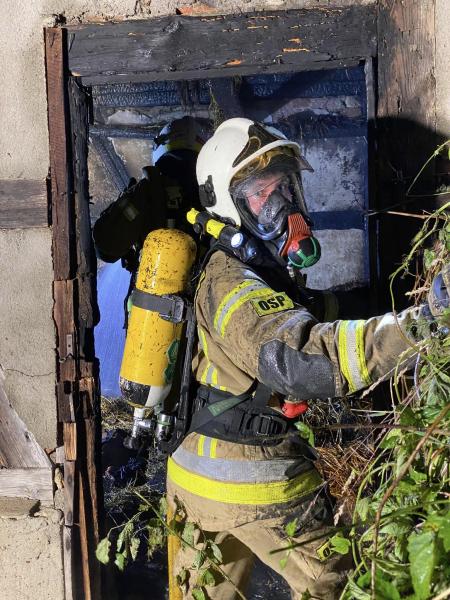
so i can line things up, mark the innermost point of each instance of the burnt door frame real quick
(178, 47)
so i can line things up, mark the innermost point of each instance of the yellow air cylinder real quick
(152, 342)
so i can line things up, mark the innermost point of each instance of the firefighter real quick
(158, 200)
(238, 473)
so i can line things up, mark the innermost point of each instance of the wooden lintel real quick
(181, 47)
(23, 203)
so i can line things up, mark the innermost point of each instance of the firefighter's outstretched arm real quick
(282, 345)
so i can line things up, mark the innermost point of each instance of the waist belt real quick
(244, 419)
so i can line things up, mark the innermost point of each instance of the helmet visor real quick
(268, 196)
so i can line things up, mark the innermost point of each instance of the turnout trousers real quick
(243, 532)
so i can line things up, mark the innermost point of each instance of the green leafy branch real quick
(207, 559)
(401, 527)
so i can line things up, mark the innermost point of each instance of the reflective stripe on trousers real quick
(254, 482)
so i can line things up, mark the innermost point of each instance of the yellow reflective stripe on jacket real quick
(213, 448)
(361, 356)
(249, 288)
(210, 377)
(210, 373)
(201, 445)
(244, 493)
(351, 354)
(202, 340)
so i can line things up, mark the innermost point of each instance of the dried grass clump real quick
(344, 467)
(116, 414)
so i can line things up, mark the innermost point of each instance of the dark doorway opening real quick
(324, 111)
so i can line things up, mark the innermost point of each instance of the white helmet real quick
(236, 143)
(186, 133)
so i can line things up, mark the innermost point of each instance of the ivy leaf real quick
(441, 525)
(123, 541)
(306, 595)
(355, 592)
(362, 508)
(428, 257)
(444, 533)
(155, 538)
(421, 551)
(134, 547)
(198, 594)
(188, 533)
(121, 561)
(408, 417)
(163, 506)
(340, 544)
(291, 528)
(207, 578)
(102, 552)
(199, 559)
(182, 577)
(217, 553)
(305, 432)
(417, 476)
(364, 580)
(391, 439)
(385, 589)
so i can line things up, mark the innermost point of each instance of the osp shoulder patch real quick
(272, 303)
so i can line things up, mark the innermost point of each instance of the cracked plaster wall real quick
(31, 555)
(27, 338)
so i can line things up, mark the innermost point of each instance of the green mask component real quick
(304, 253)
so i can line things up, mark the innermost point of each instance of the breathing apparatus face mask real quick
(271, 205)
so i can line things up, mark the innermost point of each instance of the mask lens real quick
(266, 203)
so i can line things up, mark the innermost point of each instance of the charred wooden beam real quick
(177, 47)
(125, 131)
(111, 161)
(406, 120)
(62, 208)
(75, 316)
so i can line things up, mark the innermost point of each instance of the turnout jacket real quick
(249, 331)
